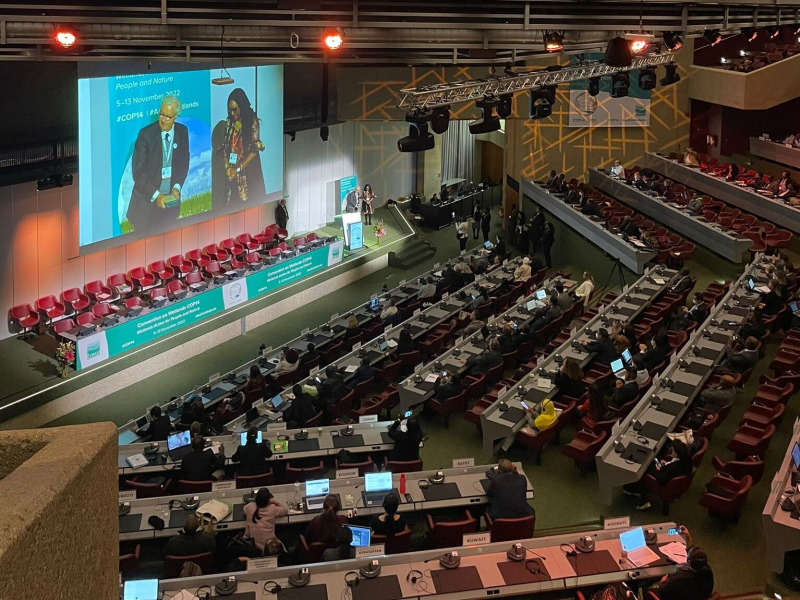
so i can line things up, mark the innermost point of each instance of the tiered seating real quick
(771, 54)
(163, 279)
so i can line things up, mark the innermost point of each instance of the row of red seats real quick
(162, 279)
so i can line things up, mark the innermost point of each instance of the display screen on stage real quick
(164, 150)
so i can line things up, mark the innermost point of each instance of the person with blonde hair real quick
(586, 287)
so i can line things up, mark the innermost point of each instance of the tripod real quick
(616, 267)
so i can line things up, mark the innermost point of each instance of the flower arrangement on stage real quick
(65, 355)
(379, 230)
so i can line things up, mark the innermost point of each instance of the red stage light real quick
(638, 46)
(66, 37)
(333, 39)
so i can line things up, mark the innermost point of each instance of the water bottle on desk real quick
(402, 483)
(297, 500)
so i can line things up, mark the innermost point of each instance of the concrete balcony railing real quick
(761, 89)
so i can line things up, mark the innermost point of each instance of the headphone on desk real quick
(203, 592)
(414, 578)
(354, 579)
(276, 587)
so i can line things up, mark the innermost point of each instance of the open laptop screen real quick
(541, 294)
(361, 536)
(318, 487)
(277, 401)
(179, 440)
(141, 589)
(378, 482)
(796, 455)
(244, 438)
(626, 356)
(375, 304)
(616, 366)
(632, 540)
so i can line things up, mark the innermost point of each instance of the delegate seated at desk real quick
(252, 456)
(195, 413)
(427, 290)
(310, 354)
(481, 363)
(260, 518)
(406, 443)
(624, 391)
(569, 378)
(718, 397)
(537, 418)
(389, 523)
(364, 372)
(343, 550)
(507, 493)
(324, 526)
(677, 461)
(201, 463)
(546, 316)
(739, 361)
(301, 410)
(692, 580)
(331, 389)
(602, 347)
(658, 351)
(447, 386)
(190, 541)
(160, 425)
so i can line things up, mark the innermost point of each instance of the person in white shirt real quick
(523, 272)
(618, 170)
(389, 310)
(427, 290)
(642, 376)
(288, 363)
(586, 287)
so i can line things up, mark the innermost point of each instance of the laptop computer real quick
(376, 487)
(253, 419)
(796, 455)
(635, 548)
(487, 244)
(140, 589)
(383, 345)
(618, 367)
(278, 403)
(361, 536)
(626, 356)
(316, 491)
(142, 425)
(794, 307)
(179, 445)
(243, 440)
(375, 305)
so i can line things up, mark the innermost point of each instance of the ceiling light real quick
(594, 86)
(647, 79)
(638, 46)
(620, 82)
(618, 53)
(772, 31)
(541, 102)
(712, 36)
(672, 40)
(65, 36)
(553, 41)
(505, 106)
(333, 39)
(672, 75)
(419, 139)
(440, 120)
(750, 34)
(489, 121)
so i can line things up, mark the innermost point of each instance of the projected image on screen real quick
(161, 151)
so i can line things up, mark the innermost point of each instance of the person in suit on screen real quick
(160, 167)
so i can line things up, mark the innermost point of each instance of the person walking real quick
(486, 223)
(462, 234)
(476, 221)
(548, 238)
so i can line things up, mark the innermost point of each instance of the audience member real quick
(331, 389)
(658, 350)
(718, 397)
(476, 221)
(642, 376)
(564, 299)
(288, 363)
(602, 347)
(474, 326)
(569, 378)
(537, 228)
(692, 580)
(480, 299)
(160, 425)
(684, 317)
(343, 550)
(252, 456)
(624, 390)
(585, 288)
(260, 518)
(324, 526)
(739, 361)
(486, 221)
(595, 408)
(448, 385)
(547, 315)
(301, 410)
(523, 271)
(309, 355)
(406, 443)
(427, 290)
(364, 372)
(548, 239)
(732, 173)
(754, 325)
(194, 412)
(201, 463)
(405, 343)
(479, 364)
(677, 461)
(618, 170)
(507, 338)
(190, 541)
(389, 523)
(683, 283)
(255, 381)
(624, 336)
(389, 312)
(507, 492)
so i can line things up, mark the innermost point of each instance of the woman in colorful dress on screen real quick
(240, 151)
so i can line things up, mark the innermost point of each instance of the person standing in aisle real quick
(462, 234)
(476, 222)
(537, 229)
(281, 214)
(548, 238)
(512, 224)
(486, 223)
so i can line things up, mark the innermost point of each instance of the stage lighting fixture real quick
(594, 86)
(647, 79)
(772, 31)
(712, 36)
(505, 106)
(323, 133)
(749, 34)
(541, 102)
(672, 75)
(489, 121)
(620, 82)
(419, 139)
(553, 41)
(333, 39)
(618, 53)
(672, 40)
(65, 36)
(638, 46)
(440, 120)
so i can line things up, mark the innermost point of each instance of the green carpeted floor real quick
(563, 497)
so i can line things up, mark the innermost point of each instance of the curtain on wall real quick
(457, 151)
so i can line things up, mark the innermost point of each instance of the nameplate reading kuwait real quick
(256, 564)
(474, 539)
(223, 486)
(370, 551)
(459, 463)
(617, 523)
(368, 419)
(346, 473)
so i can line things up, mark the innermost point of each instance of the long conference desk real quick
(321, 442)
(220, 387)
(782, 527)
(485, 571)
(506, 415)
(419, 326)
(765, 206)
(442, 214)
(462, 487)
(775, 151)
(592, 228)
(636, 440)
(727, 243)
(419, 387)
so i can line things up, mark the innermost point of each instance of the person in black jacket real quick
(301, 410)
(658, 351)
(692, 580)
(331, 390)
(507, 339)
(405, 343)
(309, 355)
(549, 315)
(190, 541)
(252, 457)
(602, 347)
(160, 425)
(447, 386)
(364, 372)
(200, 463)
(684, 317)
(486, 221)
(507, 493)
(537, 227)
(406, 443)
(569, 379)
(624, 391)
(548, 239)
(195, 413)
(677, 461)
(481, 363)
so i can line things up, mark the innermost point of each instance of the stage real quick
(34, 394)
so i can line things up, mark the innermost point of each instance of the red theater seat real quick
(142, 279)
(237, 264)
(50, 307)
(133, 303)
(158, 293)
(75, 300)
(253, 258)
(22, 319)
(301, 241)
(176, 288)
(232, 246)
(98, 291)
(161, 270)
(197, 257)
(62, 326)
(180, 264)
(246, 240)
(87, 319)
(102, 310)
(312, 237)
(121, 283)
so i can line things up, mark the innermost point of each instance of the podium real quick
(353, 230)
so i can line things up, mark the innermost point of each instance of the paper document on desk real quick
(351, 368)
(659, 281)
(642, 556)
(675, 551)
(432, 378)
(215, 448)
(391, 344)
(762, 289)
(544, 383)
(137, 460)
(637, 243)
(184, 595)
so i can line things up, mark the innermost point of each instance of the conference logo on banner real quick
(234, 293)
(602, 110)
(92, 350)
(335, 253)
(356, 240)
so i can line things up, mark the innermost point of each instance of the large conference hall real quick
(446, 299)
